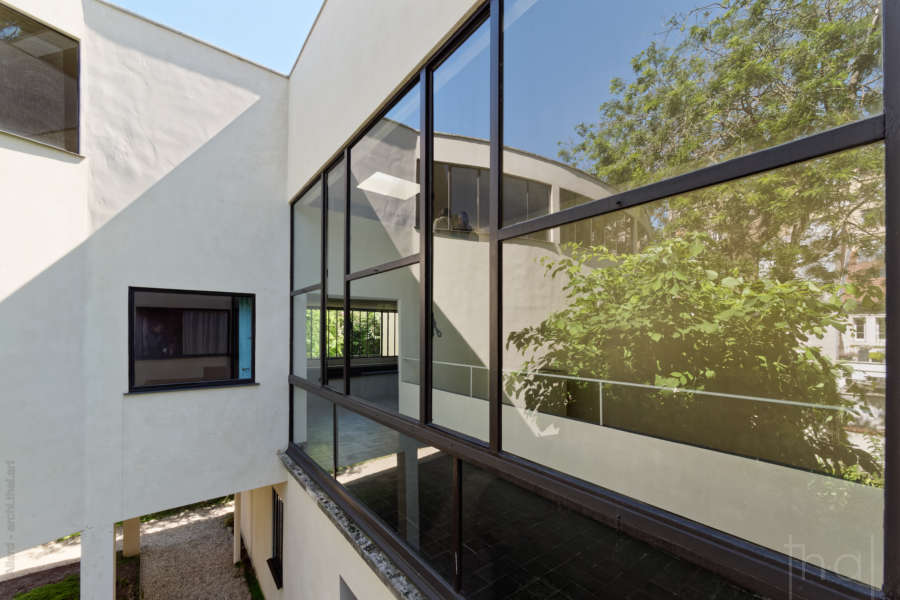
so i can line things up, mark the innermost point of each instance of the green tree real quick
(721, 289)
(665, 317)
(747, 75)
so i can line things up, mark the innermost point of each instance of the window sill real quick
(189, 386)
(42, 144)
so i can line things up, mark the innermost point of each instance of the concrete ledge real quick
(384, 567)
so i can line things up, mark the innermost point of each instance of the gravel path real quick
(188, 556)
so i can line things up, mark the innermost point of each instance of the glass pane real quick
(307, 215)
(245, 337)
(461, 250)
(669, 86)
(308, 336)
(516, 544)
(337, 202)
(38, 81)
(703, 354)
(384, 342)
(408, 485)
(314, 427)
(190, 338)
(385, 186)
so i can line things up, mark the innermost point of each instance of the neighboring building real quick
(221, 279)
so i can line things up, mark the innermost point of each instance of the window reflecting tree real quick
(726, 290)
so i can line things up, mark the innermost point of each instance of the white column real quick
(236, 552)
(98, 562)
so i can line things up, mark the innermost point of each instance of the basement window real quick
(275, 563)
(190, 338)
(38, 81)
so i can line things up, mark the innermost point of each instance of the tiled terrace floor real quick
(519, 545)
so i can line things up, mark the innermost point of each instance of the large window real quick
(38, 81)
(181, 338)
(636, 267)
(460, 257)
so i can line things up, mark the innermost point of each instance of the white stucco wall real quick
(314, 570)
(256, 533)
(181, 185)
(391, 39)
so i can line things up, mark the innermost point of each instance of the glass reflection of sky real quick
(549, 87)
(560, 56)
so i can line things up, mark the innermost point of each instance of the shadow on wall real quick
(186, 190)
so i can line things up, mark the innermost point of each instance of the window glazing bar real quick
(496, 259)
(383, 268)
(426, 250)
(891, 66)
(845, 137)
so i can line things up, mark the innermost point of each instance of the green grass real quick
(250, 575)
(67, 589)
(252, 582)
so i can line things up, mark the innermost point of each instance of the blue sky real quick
(268, 32)
(560, 56)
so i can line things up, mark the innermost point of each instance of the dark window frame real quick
(755, 567)
(133, 389)
(76, 148)
(276, 561)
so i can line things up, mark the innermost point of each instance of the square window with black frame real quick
(275, 562)
(38, 81)
(183, 339)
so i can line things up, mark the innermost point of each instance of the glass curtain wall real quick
(461, 142)
(697, 353)
(336, 187)
(718, 353)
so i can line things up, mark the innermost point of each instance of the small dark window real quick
(183, 338)
(859, 325)
(38, 81)
(275, 563)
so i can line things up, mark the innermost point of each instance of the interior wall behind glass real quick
(406, 484)
(598, 101)
(461, 249)
(384, 187)
(307, 335)
(314, 427)
(337, 207)
(701, 353)
(384, 339)
(307, 215)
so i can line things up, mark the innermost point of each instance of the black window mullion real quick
(844, 137)
(496, 189)
(426, 251)
(347, 326)
(323, 317)
(456, 524)
(891, 66)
